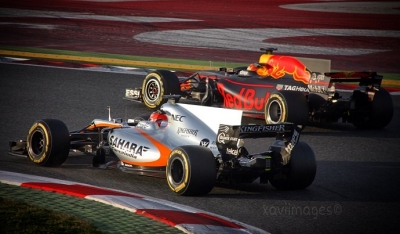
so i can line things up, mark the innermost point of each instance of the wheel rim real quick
(152, 90)
(274, 112)
(37, 143)
(176, 171)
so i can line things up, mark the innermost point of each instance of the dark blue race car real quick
(278, 89)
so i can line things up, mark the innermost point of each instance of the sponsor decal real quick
(246, 99)
(318, 89)
(295, 88)
(209, 144)
(318, 83)
(212, 146)
(262, 128)
(205, 142)
(178, 117)
(127, 148)
(232, 151)
(317, 78)
(277, 66)
(187, 131)
(222, 137)
(142, 125)
(293, 141)
(279, 86)
(132, 93)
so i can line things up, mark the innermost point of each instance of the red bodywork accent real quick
(245, 99)
(277, 66)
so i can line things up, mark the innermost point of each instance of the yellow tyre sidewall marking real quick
(283, 109)
(46, 146)
(158, 77)
(183, 184)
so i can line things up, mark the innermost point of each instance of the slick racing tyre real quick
(286, 106)
(156, 85)
(381, 112)
(300, 172)
(48, 142)
(191, 170)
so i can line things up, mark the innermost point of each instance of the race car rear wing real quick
(228, 136)
(364, 78)
(321, 82)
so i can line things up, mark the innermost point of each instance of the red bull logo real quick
(277, 66)
(245, 99)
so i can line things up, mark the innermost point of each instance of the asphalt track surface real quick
(358, 180)
(356, 189)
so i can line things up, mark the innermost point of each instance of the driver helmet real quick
(253, 67)
(260, 69)
(158, 117)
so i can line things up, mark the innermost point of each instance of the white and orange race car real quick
(182, 143)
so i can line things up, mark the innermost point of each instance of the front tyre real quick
(48, 142)
(156, 85)
(300, 172)
(191, 170)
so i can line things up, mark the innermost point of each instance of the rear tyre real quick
(156, 85)
(191, 170)
(286, 106)
(48, 142)
(381, 112)
(300, 172)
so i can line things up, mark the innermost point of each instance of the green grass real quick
(18, 217)
(387, 76)
(123, 57)
(390, 76)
